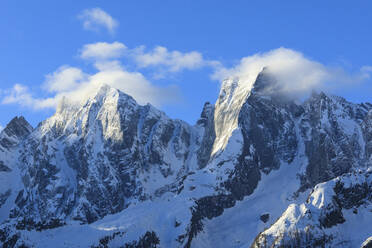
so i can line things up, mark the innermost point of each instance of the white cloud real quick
(174, 60)
(94, 19)
(103, 50)
(1, 128)
(294, 73)
(63, 79)
(106, 65)
(366, 71)
(160, 59)
(76, 86)
(21, 95)
(166, 61)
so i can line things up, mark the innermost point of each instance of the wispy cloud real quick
(95, 19)
(165, 62)
(21, 95)
(173, 61)
(366, 71)
(102, 50)
(161, 60)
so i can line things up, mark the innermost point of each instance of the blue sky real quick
(170, 50)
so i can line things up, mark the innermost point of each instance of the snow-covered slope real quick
(112, 173)
(335, 214)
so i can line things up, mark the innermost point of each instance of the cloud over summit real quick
(76, 86)
(294, 73)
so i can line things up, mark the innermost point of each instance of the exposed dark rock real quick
(331, 217)
(207, 207)
(265, 218)
(8, 238)
(4, 168)
(149, 240)
(4, 197)
(105, 241)
(352, 197)
(207, 122)
(29, 224)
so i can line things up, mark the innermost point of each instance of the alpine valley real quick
(258, 169)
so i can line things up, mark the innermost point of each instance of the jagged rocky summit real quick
(258, 169)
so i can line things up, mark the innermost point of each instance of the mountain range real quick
(258, 169)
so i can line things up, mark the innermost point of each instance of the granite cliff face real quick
(247, 173)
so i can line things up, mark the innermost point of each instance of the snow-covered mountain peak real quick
(106, 105)
(233, 94)
(106, 92)
(99, 96)
(17, 129)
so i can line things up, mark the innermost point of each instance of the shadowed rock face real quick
(206, 121)
(332, 147)
(3, 167)
(269, 134)
(367, 133)
(18, 127)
